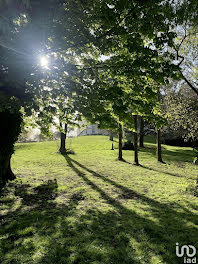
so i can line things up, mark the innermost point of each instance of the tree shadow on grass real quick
(168, 228)
(43, 231)
(20, 223)
(166, 172)
(42, 195)
(179, 155)
(176, 155)
(30, 233)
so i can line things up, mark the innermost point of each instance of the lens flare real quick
(44, 61)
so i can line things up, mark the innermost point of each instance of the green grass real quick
(88, 207)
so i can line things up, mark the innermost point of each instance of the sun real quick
(44, 61)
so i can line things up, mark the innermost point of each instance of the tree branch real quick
(190, 84)
(111, 30)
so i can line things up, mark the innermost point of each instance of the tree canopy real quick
(109, 57)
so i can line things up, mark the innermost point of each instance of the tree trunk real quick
(120, 142)
(6, 173)
(136, 162)
(9, 132)
(141, 139)
(159, 147)
(63, 137)
(62, 144)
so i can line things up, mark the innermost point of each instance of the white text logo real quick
(188, 252)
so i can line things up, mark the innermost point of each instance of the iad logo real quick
(188, 252)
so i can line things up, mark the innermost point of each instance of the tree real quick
(23, 31)
(141, 134)
(118, 101)
(185, 44)
(136, 160)
(11, 121)
(181, 108)
(57, 110)
(159, 146)
(27, 31)
(12, 90)
(120, 141)
(134, 35)
(159, 140)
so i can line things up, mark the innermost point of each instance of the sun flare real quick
(44, 61)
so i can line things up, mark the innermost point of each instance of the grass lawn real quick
(88, 207)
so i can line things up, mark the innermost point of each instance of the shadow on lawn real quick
(167, 172)
(176, 155)
(42, 231)
(161, 235)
